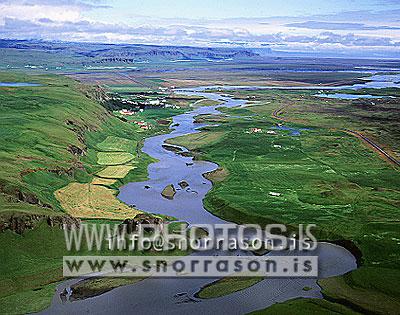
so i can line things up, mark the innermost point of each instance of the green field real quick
(112, 143)
(197, 140)
(324, 176)
(306, 306)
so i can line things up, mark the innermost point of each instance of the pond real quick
(18, 84)
(346, 96)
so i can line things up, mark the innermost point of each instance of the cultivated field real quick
(112, 143)
(114, 158)
(93, 201)
(117, 171)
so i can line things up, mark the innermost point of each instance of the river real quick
(177, 296)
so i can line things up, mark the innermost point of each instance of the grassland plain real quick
(324, 176)
(378, 118)
(53, 137)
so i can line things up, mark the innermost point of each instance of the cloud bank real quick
(66, 20)
(320, 25)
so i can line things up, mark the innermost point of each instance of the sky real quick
(341, 26)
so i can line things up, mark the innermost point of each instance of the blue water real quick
(293, 131)
(345, 96)
(18, 84)
(377, 81)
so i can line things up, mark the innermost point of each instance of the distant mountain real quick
(88, 54)
(263, 51)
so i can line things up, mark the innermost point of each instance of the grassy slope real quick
(35, 159)
(306, 306)
(324, 177)
(34, 135)
(35, 139)
(365, 289)
(30, 268)
(39, 124)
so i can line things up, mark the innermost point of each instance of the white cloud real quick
(323, 25)
(67, 20)
(182, 34)
(35, 12)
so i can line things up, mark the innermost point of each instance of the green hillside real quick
(51, 136)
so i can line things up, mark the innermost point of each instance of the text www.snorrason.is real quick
(190, 266)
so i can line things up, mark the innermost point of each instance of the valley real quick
(90, 146)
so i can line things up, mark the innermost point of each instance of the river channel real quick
(178, 296)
